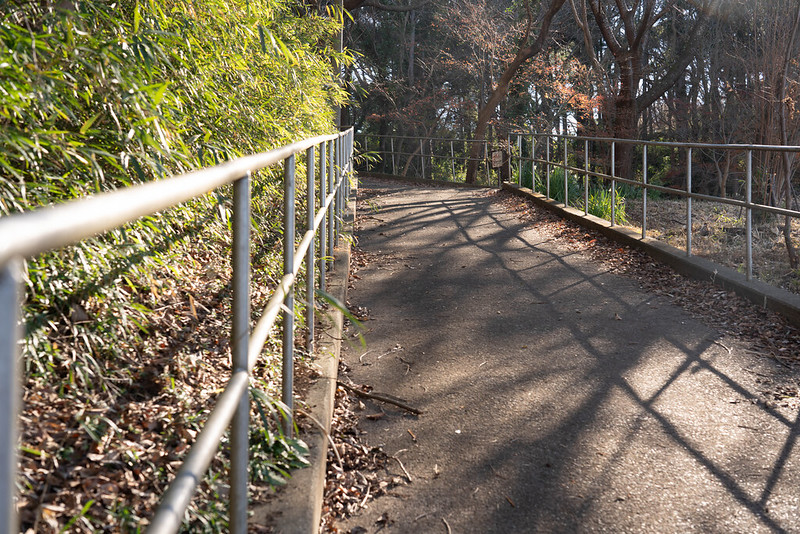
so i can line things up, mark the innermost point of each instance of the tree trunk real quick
(788, 158)
(625, 117)
(524, 53)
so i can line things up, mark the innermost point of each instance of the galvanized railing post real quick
(394, 163)
(337, 212)
(452, 161)
(287, 385)
(10, 287)
(509, 163)
(586, 177)
(311, 253)
(343, 184)
(644, 191)
(519, 159)
(486, 162)
(749, 211)
(566, 174)
(349, 163)
(533, 161)
(432, 156)
(689, 202)
(323, 229)
(332, 205)
(422, 157)
(240, 335)
(613, 183)
(547, 165)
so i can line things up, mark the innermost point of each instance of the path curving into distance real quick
(558, 397)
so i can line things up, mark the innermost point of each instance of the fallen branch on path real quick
(408, 476)
(379, 397)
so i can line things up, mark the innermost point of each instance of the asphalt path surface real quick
(557, 396)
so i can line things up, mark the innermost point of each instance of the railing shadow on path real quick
(593, 405)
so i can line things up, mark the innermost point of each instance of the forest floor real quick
(718, 234)
(368, 471)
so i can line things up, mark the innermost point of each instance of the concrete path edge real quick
(297, 507)
(778, 300)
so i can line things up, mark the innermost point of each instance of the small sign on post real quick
(497, 159)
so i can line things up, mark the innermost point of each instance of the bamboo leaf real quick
(88, 123)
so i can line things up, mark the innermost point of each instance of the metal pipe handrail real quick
(671, 190)
(547, 158)
(176, 499)
(416, 138)
(34, 232)
(671, 144)
(687, 193)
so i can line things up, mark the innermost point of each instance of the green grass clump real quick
(599, 197)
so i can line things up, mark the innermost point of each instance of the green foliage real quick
(599, 197)
(600, 205)
(272, 453)
(103, 95)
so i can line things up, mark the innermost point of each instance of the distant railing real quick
(28, 234)
(530, 159)
(604, 171)
(429, 158)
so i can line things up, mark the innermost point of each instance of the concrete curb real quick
(761, 294)
(297, 507)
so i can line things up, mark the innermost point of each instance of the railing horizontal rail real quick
(32, 233)
(671, 190)
(619, 140)
(542, 152)
(176, 498)
(49, 228)
(670, 144)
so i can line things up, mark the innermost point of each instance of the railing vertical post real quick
(689, 202)
(310, 254)
(533, 161)
(644, 191)
(323, 228)
(519, 159)
(350, 169)
(613, 183)
(422, 157)
(350, 153)
(240, 335)
(586, 177)
(749, 221)
(337, 213)
(332, 206)
(10, 284)
(486, 162)
(509, 164)
(394, 164)
(547, 165)
(452, 161)
(431, 156)
(566, 174)
(287, 386)
(348, 157)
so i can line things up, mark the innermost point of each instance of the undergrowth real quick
(126, 333)
(600, 198)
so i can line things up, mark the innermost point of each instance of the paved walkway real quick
(557, 397)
